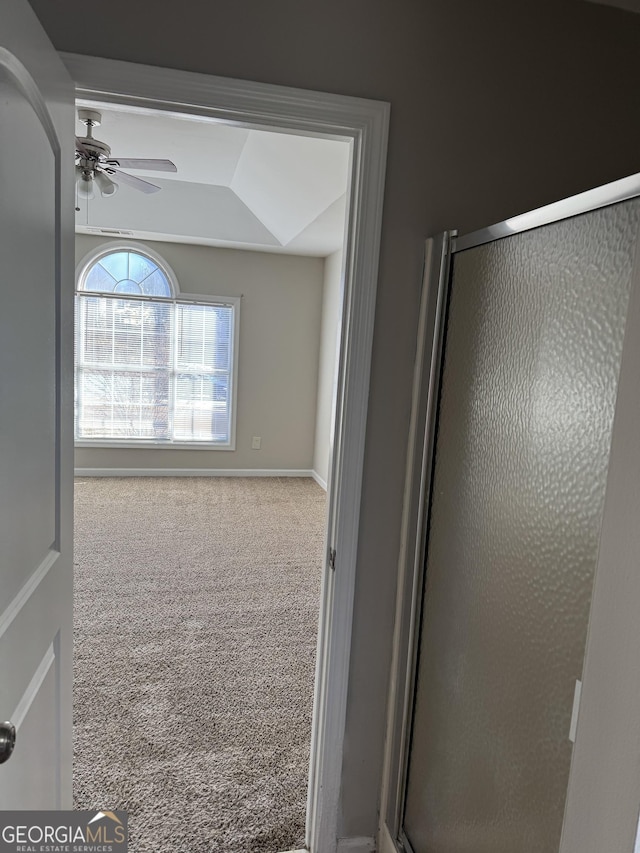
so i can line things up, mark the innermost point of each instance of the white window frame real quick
(177, 297)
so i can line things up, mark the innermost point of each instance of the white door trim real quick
(365, 123)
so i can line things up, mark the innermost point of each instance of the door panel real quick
(532, 354)
(36, 397)
(29, 420)
(35, 774)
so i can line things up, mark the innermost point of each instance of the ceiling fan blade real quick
(80, 147)
(138, 163)
(126, 178)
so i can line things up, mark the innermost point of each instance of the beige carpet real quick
(195, 628)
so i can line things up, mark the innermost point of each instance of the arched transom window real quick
(151, 367)
(126, 272)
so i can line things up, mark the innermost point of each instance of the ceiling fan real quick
(95, 165)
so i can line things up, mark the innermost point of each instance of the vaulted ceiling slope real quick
(234, 186)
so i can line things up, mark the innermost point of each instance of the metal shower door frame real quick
(584, 798)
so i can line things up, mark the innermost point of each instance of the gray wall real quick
(327, 362)
(280, 317)
(497, 107)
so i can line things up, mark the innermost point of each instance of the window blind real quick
(153, 370)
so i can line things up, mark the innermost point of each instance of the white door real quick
(36, 404)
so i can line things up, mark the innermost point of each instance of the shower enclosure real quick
(516, 432)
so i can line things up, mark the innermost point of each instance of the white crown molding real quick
(365, 124)
(628, 5)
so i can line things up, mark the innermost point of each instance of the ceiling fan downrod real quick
(91, 152)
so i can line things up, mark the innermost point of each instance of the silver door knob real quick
(7, 741)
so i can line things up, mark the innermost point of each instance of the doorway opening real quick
(197, 327)
(364, 124)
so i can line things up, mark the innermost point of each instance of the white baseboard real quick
(360, 844)
(322, 483)
(193, 472)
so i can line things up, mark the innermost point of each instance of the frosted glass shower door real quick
(533, 342)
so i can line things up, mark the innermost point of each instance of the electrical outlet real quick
(256, 441)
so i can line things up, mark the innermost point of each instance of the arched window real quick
(128, 272)
(151, 367)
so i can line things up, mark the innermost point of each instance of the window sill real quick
(153, 445)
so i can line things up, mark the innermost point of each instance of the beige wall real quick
(327, 363)
(496, 107)
(279, 347)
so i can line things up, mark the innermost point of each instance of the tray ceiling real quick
(234, 186)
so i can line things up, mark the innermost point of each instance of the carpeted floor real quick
(196, 609)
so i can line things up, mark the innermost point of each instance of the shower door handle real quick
(7, 741)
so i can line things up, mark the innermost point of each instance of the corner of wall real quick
(385, 842)
(319, 480)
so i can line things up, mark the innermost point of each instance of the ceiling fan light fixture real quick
(84, 185)
(106, 185)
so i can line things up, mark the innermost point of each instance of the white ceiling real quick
(239, 187)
